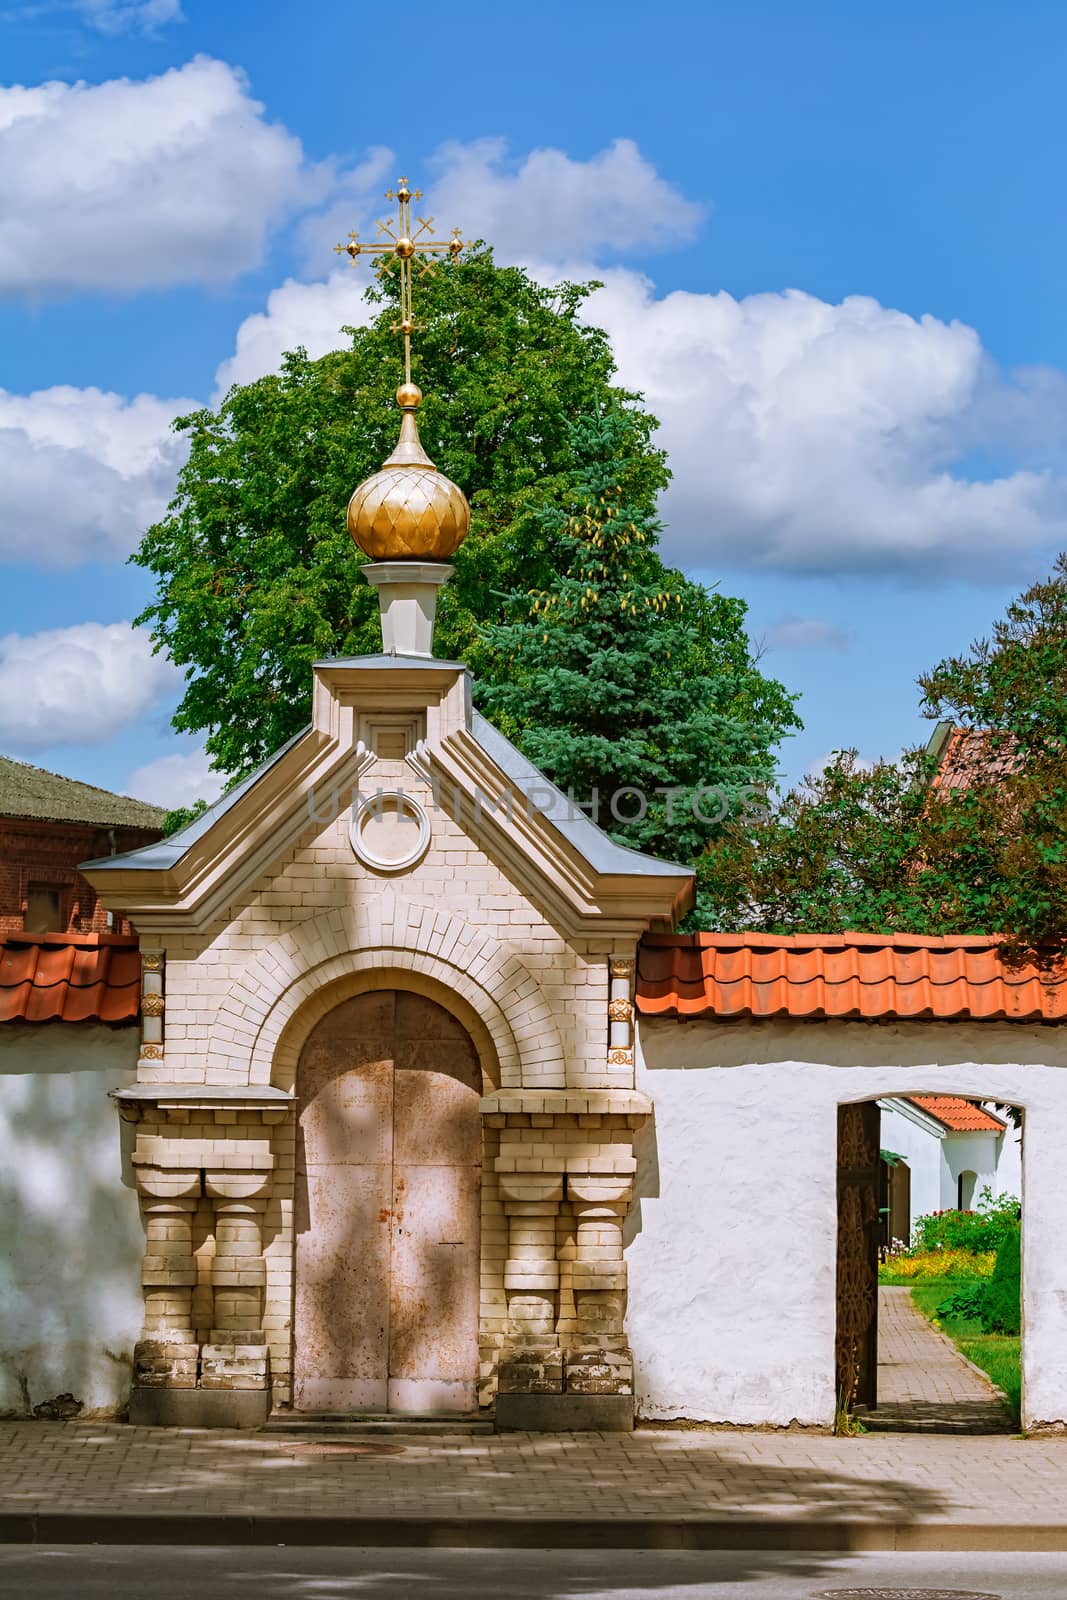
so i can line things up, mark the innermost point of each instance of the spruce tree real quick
(632, 688)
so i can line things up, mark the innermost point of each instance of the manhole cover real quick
(311, 1448)
(905, 1594)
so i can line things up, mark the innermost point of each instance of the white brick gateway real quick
(262, 917)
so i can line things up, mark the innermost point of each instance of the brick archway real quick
(389, 935)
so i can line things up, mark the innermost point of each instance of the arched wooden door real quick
(387, 1210)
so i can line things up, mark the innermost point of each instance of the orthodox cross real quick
(399, 248)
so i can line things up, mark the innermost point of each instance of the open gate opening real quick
(927, 1384)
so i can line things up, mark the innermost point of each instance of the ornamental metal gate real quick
(858, 1131)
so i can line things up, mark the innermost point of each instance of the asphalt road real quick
(116, 1572)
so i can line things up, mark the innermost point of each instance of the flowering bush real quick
(980, 1230)
(948, 1263)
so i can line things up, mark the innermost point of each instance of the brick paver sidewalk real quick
(924, 1384)
(884, 1489)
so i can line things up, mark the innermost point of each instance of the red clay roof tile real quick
(871, 976)
(60, 977)
(974, 756)
(959, 1115)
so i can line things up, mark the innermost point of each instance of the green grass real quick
(998, 1354)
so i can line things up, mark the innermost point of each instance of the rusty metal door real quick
(387, 1210)
(858, 1131)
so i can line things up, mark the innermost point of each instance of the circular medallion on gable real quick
(389, 832)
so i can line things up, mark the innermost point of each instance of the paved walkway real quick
(85, 1482)
(924, 1384)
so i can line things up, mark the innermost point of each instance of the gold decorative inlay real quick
(620, 1011)
(621, 966)
(152, 963)
(151, 1052)
(620, 1058)
(152, 1005)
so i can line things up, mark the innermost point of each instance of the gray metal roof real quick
(165, 852)
(391, 660)
(591, 842)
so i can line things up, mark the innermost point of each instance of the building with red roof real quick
(70, 1003)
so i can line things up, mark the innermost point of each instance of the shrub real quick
(979, 1230)
(966, 1305)
(1001, 1311)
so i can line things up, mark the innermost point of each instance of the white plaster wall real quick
(72, 1241)
(968, 1152)
(921, 1149)
(732, 1240)
(1009, 1176)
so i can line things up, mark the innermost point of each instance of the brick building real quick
(48, 824)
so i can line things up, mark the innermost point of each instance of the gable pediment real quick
(547, 848)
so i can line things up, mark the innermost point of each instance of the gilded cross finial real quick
(399, 249)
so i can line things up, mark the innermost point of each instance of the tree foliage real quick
(884, 850)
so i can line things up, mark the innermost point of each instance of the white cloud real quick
(176, 780)
(78, 685)
(83, 473)
(311, 314)
(123, 16)
(141, 184)
(810, 437)
(106, 16)
(804, 633)
(546, 207)
(860, 763)
(803, 436)
(549, 206)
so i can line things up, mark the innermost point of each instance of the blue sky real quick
(832, 239)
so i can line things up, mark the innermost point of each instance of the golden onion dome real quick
(409, 511)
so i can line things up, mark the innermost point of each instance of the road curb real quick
(573, 1533)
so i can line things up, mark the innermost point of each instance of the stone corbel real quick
(531, 1361)
(598, 1360)
(236, 1357)
(167, 1354)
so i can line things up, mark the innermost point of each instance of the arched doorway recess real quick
(387, 1209)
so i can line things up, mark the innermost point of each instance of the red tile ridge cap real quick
(88, 941)
(823, 941)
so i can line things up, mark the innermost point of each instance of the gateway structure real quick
(384, 1117)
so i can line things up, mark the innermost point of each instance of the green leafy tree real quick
(886, 850)
(256, 576)
(181, 816)
(629, 686)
